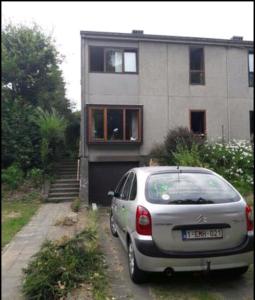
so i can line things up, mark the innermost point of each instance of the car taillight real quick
(143, 221)
(249, 221)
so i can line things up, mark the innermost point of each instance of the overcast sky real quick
(65, 20)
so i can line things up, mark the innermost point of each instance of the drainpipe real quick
(228, 112)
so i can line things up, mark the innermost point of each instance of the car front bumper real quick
(150, 258)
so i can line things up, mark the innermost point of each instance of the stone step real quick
(60, 199)
(60, 177)
(65, 185)
(66, 170)
(73, 174)
(64, 189)
(63, 194)
(65, 180)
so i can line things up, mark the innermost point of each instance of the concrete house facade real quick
(135, 87)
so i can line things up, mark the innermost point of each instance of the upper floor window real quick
(197, 70)
(198, 122)
(113, 60)
(114, 123)
(251, 68)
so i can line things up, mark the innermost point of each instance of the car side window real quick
(120, 185)
(133, 191)
(126, 189)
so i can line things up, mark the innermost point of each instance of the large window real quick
(113, 60)
(198, 122)
(111, 124)
(197, 70)
(251, 68)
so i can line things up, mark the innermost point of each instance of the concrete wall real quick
(162, 87)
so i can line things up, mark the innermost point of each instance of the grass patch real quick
(62, 266)
(17, 213)
(76, 205)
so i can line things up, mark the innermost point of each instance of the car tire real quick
(113, 226)
(138, 276)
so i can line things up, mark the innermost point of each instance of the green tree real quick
(30, 68)
(52, 129)
(31, 78)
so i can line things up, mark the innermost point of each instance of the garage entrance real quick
(103, 177)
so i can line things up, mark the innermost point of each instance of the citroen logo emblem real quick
(201, 219)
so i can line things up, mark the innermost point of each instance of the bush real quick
(61, 266)
(76, 205)
(12, 176)
(234, 161)
(181, 136)
(36, 177)
(187, 157)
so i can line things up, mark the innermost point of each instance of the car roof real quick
(160, 169)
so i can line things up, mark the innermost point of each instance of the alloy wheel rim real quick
(131, 259)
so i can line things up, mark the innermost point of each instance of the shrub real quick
(36, 176)
(61, 266)
(187, 157)
(76, 205)
(234, 161)
(181, 136)
(13, 176)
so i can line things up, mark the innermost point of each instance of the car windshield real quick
(188, 188)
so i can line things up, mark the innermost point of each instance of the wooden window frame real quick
(121, 49)
(250, 82)
(91, 107)
(205, 121)
(196, 71)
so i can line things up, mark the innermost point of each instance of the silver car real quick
(177, 219)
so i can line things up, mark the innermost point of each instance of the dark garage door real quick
(104, 177)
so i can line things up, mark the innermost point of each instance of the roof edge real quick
(163, 38)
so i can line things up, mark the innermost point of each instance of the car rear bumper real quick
(150, 258)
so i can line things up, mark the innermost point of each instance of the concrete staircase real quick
(66, 185)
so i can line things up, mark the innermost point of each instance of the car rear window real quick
(189, 188)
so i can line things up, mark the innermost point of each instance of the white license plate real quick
(202, 234)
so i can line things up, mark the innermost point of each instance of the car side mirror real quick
(110, 194)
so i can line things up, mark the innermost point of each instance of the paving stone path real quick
(27, 242)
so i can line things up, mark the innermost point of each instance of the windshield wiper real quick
(190, 201)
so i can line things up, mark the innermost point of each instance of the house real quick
(136, 86)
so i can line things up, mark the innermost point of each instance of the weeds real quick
(76, 205)
(61, 266)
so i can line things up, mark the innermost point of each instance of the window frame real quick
(121, 49)
(190, 123)
(196, 71)
(249, 81)
(89, 109)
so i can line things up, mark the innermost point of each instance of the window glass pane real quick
(113, 61)
(130, 61)
(132, 125)
(115, 124)
(198, 122)
(97, 124)
(197, 77)
(126, 189)
(251, 61)
(196, 59)
(121, 184)
(133, 190)
(168, 187)
(96, 59)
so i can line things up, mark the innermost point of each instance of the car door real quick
(116, 200)
(124, 204)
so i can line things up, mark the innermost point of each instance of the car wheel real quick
(113, 226)
(137, 275)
